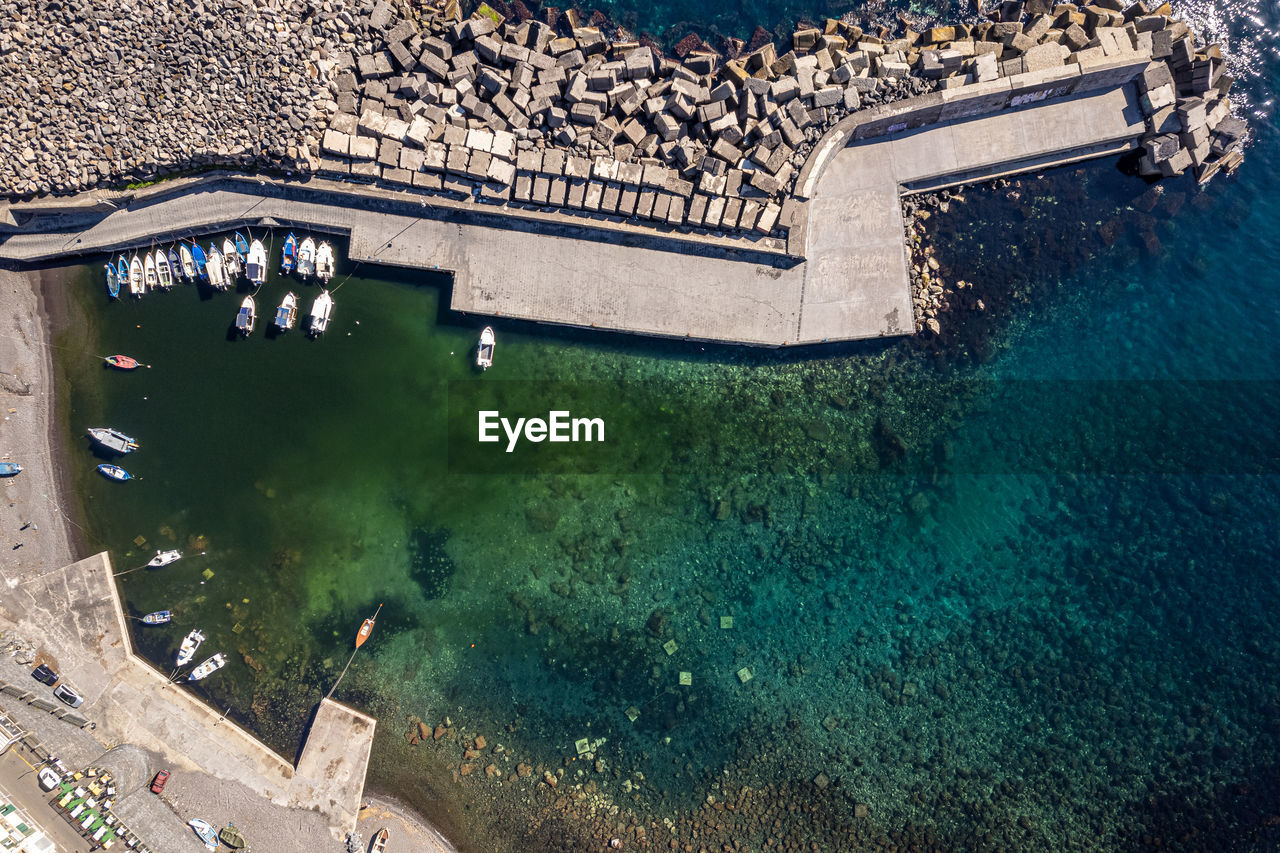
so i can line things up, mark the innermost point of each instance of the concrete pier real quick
(75, 617)
(841, 275)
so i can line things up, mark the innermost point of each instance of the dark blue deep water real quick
(1014, 587)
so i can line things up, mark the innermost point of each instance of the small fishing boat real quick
(198, 254)
(379, 844)
(136, 285)
(10, 469)
(113, 439)
(114, 472)
(231, 261)
(366, 628)
(287, 313)
(242, 246)
(122, 272)
(175, 266)
(209, 667)
(248, 313)
(149, 271)
(324, 263)
(321, 311)
(188, 263)
(189, 645)
(256, 265)
(307, 258)
(158, 618)
(122, 362)
(484, 352)
(164, 272)
(205, 830)
(213, 267)
(233, 838)
(164, 558)
(290, 254)
(113, 284)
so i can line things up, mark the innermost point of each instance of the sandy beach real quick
(35, 534)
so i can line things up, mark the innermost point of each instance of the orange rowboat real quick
(367, 628)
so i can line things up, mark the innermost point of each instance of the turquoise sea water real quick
(1014, 588)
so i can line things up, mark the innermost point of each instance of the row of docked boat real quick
(220, 268)
(190, 644)
(306, 260)
(287, 314)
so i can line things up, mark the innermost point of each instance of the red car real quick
(158, 784)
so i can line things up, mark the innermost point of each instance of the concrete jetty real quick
(74, 616)
(754, 198)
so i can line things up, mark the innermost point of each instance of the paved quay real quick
(73, 619)
(560, 269)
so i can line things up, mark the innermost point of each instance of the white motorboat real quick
(209, 667)
(164, 558)
(231, 261)
(256, 266)
(484, 352)
(136, 286)
(248, 313)
(188, 263)
(189, 645)
(324, 263)
(164, 274)
(321, 311)
(306, 265)
(287, 313)
(215, 269)
(149, 271)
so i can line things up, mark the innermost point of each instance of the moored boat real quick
(205, 830)
(164, 558)
(197, 255)
(160, 617)
(122, 362)
(164, 272)
(175, 266)
(113, 284)
(379, 844)
(10, 469)
(256, 265)
(366, 627)
(484, 352)
(307, 258)
(247, 314)
(324, 263)
(321, 311)
(114, 472)
(231, 261)
(189, 645)
(188, 263)
(136, 285)
(122, 272)
(149, 271)
(209, 667)
(113, 439)
(242, 246)
(287, 313)
(214, 268)
(290, 254)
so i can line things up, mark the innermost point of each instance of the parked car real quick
(66, 694)
(157, 785)
(43, 673)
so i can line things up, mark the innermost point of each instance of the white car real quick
(49, 778)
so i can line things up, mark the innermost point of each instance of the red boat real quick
(122, 362)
